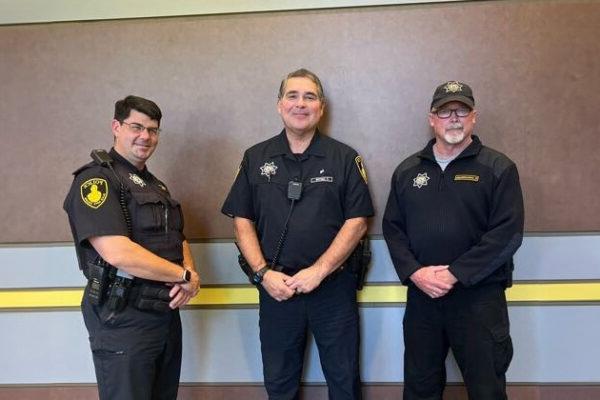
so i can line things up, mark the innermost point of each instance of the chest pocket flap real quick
(148, 211)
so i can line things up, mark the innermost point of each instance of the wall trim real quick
(40, 11)
(251, 391)
(219, 296)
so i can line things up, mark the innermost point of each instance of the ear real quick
(116, 129)
(279, 107)
(116, 126)
(431, 120)
(474, 116)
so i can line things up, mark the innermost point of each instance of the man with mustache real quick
(300, 204)
(453, 220)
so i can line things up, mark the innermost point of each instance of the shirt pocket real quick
(175, 216)
(322, 202)
(150, 211)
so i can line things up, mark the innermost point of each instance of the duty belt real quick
(145, 296)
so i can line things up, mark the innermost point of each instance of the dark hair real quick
(302, 73)
(123, 108)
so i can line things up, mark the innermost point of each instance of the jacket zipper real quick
(166, 219)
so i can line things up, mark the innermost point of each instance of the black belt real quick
(150, 297)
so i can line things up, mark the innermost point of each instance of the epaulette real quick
(84, 167)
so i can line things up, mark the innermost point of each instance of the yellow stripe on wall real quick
(11, 299)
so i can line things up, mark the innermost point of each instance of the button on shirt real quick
(333, 191)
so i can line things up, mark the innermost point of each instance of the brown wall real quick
(534, 66)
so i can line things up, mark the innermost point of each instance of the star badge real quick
(421, 180)
(137, 180)
(268, 169)
(453, 87)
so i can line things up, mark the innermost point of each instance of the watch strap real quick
(257, 276)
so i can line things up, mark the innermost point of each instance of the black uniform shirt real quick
(93, 206)
(334, 190)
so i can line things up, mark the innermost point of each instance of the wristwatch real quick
(187, 276)
(257, 276)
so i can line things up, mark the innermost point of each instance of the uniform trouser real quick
(474, 324)
(330, 312)
(137, 354)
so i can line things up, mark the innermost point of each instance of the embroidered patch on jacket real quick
(268, 169)
(136, 179)
(94, 192)
(421, 180)
(465, 177)
(361, 168)
(321, 179)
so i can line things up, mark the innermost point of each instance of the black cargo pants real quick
(473, 322)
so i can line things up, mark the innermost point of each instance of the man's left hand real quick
(306, 280)
(446, 276)
(182, 293)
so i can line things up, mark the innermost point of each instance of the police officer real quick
(453, 221)
(128, 237)
(300, 203)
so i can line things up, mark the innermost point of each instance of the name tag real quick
(468, 178)
(321, 179)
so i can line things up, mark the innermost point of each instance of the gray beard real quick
(454, 138)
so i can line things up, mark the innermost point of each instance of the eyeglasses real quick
(444, 113)
(139, 128)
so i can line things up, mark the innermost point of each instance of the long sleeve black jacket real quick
(469, 216)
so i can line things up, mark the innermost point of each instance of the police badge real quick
(136, 179)
(421, 180)
(268, 169)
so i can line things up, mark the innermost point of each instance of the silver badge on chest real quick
(421, 180)
(268, 169)
(136, 179)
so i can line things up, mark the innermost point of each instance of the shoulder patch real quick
(361, 168)
(94, 192)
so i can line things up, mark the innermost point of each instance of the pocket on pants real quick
(503, 351)
(493, 316)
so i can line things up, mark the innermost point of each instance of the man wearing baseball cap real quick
(453, 220)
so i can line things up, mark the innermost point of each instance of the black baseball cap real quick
(452, 91)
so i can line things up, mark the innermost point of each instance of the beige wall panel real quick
(534, 66)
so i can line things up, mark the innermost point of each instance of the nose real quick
(300, 102)
(454, 115)
(144, 134)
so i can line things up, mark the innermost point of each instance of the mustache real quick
(454, 126)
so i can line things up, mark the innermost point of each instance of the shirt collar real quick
(471, 150)
(281, 146)
(122, 160)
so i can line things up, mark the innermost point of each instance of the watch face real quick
(257, 278)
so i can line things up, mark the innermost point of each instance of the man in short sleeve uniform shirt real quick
(129, 240)
(308, 287)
